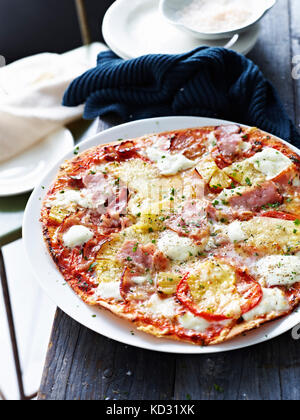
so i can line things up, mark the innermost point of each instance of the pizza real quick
(192, 235)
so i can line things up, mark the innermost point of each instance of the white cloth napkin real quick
(31, 92)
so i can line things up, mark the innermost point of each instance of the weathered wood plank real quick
(267, 371)
(83, 365)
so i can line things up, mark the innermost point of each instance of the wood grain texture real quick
(83, 365)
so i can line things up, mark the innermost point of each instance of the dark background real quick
(32, 26)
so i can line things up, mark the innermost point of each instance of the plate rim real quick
(34, 204)
(28, 189)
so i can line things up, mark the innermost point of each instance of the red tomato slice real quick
(247, 287)
(250, 290)
(279, 215)
(184, 297)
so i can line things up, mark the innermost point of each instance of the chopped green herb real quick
(248, 182)
(91, 267)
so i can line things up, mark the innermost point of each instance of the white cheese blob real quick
(164, 307)
(176, 247)
(77, 236)
(211, 141)
(69, 197)
(244, 146)
(191, 322)
(141, 279)
(273, 301)
(270, 162)
(167, 163)
(110, 290)
(235, 232)
(279, 270)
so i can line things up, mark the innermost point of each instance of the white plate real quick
(106, 323)
(136, 27)
(21, 174)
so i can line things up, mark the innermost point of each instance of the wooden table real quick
(83, 365)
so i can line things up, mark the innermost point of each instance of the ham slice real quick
(192, 221)
(143, 257)
(94, 182)
(117, 204)
(257, 197)
(113, 223)
(229, 141)
(109, 196)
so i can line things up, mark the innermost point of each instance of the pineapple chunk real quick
(167, 283)
(207, 168)
(135, 233)
(108, 271)
(58, 214)
(220, 180)
(213, 176)
(245, 173)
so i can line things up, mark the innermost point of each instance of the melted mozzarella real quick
(270, 162)
(110, 290)
(140, 279)
(235, 232)
(167, 163)
(244, 146)
(176, 247)
(278, 270)
(164, 307)
(191, 322)
(69, 197)
(77, 236)
(212, 141)
(273, 301)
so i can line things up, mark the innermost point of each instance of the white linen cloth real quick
(31, 92)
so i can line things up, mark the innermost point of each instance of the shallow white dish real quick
(170, 10)
(106, 323)
(21, 174)
(136, 27)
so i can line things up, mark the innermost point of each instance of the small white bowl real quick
(170, 9)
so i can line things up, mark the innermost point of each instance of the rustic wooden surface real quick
(82, 365)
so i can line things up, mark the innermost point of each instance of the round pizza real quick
(192, 235)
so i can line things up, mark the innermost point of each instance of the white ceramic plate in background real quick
(170, 9)
(136, 27)
(106, 323)
(21, 174)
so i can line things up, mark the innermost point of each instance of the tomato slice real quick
(184, 297)
(247, 287)
(279, 215)
(250, 290)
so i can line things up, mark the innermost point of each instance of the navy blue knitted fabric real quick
(206, 82)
